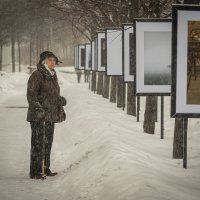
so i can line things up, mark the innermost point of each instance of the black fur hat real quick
(45, 54)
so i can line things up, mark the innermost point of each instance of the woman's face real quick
(51, 62)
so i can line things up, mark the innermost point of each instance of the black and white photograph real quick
(76, 57)
(95, 54)
(88, 57)
(114, 52)
(153, 56)
(81, 56)
(186, 62)
(131, 54)
(128, 50)
(92, 55)
(101, 51)
(157, 45)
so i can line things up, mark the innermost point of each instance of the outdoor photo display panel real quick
(153, 56)
(76, 57)
(88, 61)
(95, 68)
(101, 51)
(93, 55)
(185, 101)
(81, 56)
(114, 52)
(128, 62)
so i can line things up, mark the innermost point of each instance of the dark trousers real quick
(37, 146)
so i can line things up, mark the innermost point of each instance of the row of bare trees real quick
(31, 26)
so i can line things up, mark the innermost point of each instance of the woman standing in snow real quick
(45, 109)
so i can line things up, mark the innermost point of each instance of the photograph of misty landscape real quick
(83, 57)
(193, 68)
(131, 52)
(103, 52)
(157, 58)
(88, 59)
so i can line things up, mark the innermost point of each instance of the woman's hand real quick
(40, 114)
(62, 101)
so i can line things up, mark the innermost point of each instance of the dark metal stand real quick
(138, 108)
(185, 125)
(162, 118)
(123, 95)
(89, 81)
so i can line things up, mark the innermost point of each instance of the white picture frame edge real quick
(140, 88)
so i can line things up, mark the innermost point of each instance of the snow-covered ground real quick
(100, 152)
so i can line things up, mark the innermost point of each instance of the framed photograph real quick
(76, 57)
(153, 56)
(114, 52)
(94, 55)
(81, 56)
(88, 57)
(185, 97)
(128, 52)
(101, 51)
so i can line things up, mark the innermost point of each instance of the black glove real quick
(40, 114)
(62, 101)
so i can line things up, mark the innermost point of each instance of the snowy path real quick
(100, 152)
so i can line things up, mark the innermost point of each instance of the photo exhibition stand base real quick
(162, 118)
(123, 94)
(138, 108)
(185, 125)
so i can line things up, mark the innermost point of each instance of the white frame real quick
(81, 46)
(114, 52)
(127, 29)
(100, 35)
(140, 28)
(76, 57)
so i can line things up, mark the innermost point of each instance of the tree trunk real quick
(85, 76)
(100, 83)
(131, 100)
(124, 94)
(106, 84)
(19, 54)
(31, 51)
(156, 109)
(13, 50)
(93, 87)
(113, 89)
(119, 91)
(35, 57)
(150, 115)
(1, 56)
(178, 138)
(37, 49)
